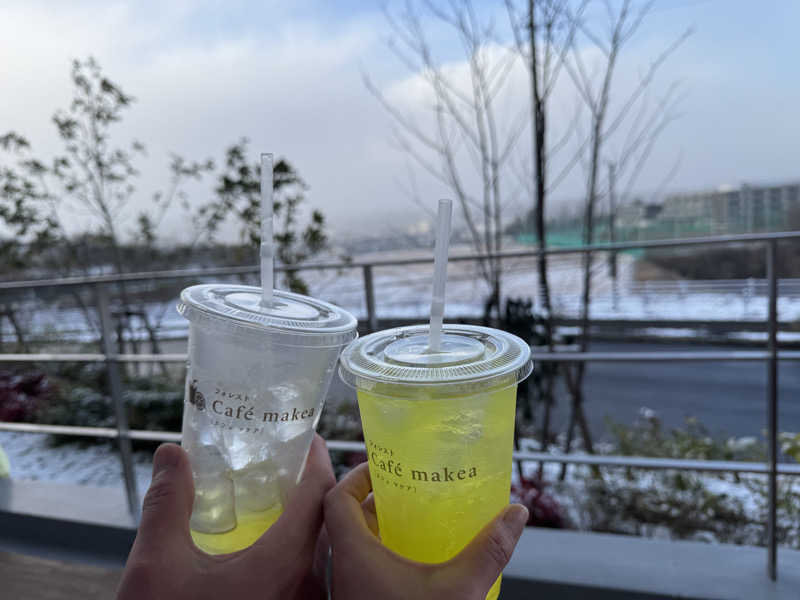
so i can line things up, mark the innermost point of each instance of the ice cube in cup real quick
(214, 509)
(256, 487)
(257, 377)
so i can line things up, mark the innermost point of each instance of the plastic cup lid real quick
(468, 354)
(293, 314)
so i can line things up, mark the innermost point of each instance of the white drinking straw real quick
(266, 230)
(439, 273)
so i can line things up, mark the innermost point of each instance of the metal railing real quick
(123, 434)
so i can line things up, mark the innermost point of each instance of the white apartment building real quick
(747, 208)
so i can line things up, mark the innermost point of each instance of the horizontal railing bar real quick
(130, 277)
(735, 355)
(99, 432)
(342, 446)
(637, 462)
(642, 462)
(49, 357)
(155, 436)
(731, 355)
(89, 358)
(146, 358)
(250, 269)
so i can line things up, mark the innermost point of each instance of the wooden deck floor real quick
(29, 578)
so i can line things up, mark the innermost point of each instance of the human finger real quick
(299, 525)
(482, 561)
(167, 506)
(344, 517)
(370, 514)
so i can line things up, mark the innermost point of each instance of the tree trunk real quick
(154, 344)
(18, 331)
(492, 303)
(548, 379)
(612, 234)
(540, 172)
(570, 433)
(126, 304)
(598, 119)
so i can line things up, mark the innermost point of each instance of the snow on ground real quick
(404, 292)
(572, 494)
(34, 458)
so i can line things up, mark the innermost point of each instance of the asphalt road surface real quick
(728, 398)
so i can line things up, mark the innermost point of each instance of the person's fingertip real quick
(344, 516)
(319, 451)
(515, 517)
(167, 456)
(488, 553)
(318, 465)
(305, 501)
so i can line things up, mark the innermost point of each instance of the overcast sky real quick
(288, 75)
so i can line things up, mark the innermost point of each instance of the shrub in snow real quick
(543, 509)
(22, 395)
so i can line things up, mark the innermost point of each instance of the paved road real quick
(729, 398)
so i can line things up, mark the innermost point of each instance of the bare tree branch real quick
(644, 82)
(668, 177)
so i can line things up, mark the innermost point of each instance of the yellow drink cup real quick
(439, 432)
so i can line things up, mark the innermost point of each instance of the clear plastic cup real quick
(439, 430)
(255, 387)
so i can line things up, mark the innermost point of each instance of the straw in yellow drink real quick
(437, 407)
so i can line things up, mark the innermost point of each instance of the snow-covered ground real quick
(34, 458)
(740, 499)
(404, 292)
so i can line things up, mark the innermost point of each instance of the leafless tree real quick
(644, 122)
(544, 32)
(93, 176)
(465, 120)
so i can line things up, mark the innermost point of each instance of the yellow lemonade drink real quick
(255, 385)
(439, 432)
(249, 527)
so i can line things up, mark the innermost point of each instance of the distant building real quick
(637, 214)
(747, 208)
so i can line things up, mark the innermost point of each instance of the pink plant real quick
(543, 508)
(21, 395)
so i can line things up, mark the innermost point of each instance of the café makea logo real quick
(236, 405)
(385, 462)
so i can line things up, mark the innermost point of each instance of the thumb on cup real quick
(482, 561)
(167, 505)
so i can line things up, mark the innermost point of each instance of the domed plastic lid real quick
(240, 306)
(468, 354)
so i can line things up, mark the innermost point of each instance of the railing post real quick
(115, 384)
(369, 292)
(772, 410)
